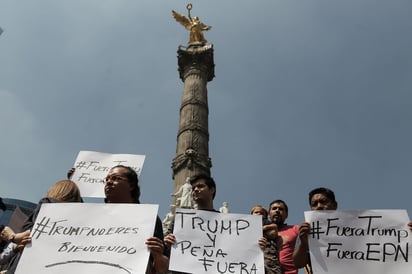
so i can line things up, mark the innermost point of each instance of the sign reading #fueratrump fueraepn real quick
(360, 241)
(89, 238)
(91, 168)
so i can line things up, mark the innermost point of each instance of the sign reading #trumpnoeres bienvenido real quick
(360, 241)
(89, 238)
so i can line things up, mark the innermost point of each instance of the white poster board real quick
(211, 242)
(92, 167)
(89, 238)
(360, 241)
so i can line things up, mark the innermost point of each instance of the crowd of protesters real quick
(285, 247)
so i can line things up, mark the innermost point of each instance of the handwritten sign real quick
(92, 167)
(89, 238)
(368, 241)
(210, 242)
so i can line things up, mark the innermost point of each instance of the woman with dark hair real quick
(122, 186)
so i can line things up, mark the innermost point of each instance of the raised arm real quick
(300, 254)
(160, 261)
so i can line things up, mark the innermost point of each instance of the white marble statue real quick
(168, 218)
(224, 208)
(184, 195)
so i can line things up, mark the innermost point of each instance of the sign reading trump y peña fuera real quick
(210, 242)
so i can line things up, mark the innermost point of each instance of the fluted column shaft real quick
(196, 68)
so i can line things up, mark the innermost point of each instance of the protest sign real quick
(359, 241)
(210, 242)
(92, 167)
(89, 238)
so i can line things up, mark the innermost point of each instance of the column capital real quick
(196, 59)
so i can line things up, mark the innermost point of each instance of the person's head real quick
(278, 212)
(65, 191)
(203, 190)
(2, 205)
(122, 185)
(259, 210)
(322, 199)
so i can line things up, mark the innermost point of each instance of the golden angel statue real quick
(194, 25)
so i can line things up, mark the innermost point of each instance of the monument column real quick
(196, 68)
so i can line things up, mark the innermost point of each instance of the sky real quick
(306, 94)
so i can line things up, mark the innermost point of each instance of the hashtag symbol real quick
(40, 227)
(81, 164)
(316, 230)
